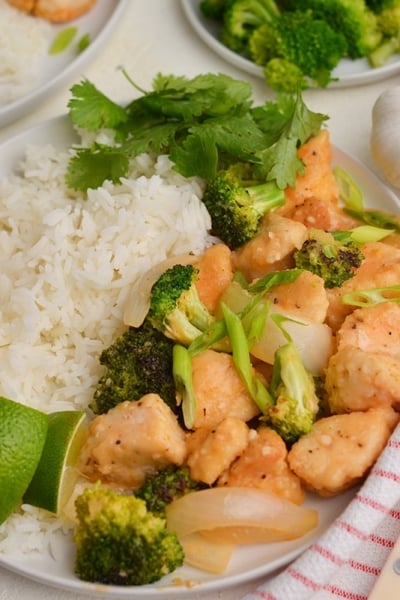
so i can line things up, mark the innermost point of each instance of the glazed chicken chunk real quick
(219, 390)
(263, 465)
(57, 11)
(339, 451)
(364, 371)
(131, 441)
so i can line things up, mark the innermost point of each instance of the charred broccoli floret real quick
(334, 261)
(296, 404)
(175, 306)
(165, 486)
(236, 208)
(138, 362)
(118, 541)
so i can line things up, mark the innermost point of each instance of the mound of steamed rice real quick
(24, 42)
(67, 264)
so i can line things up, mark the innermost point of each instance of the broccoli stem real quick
(241, 358)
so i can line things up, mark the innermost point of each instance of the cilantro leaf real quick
(90, 109)
(90, 167)
(294, 124)
(203, 123)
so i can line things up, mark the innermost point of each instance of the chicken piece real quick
(263, 465)
(318, 180)
(320, 214)
(130, 441)
(341, 449)
(24, 5)
(305, 297)
(380, 268)
(219, 390)
(215, 274)
(57, 11)
(211, 451)
(271, 249)
(375, 328)
(358, 380)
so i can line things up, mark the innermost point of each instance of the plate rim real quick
(12, 111)
(191, 11)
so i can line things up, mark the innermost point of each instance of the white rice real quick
(67, 264)
(24, 42)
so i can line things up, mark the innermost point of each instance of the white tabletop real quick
(153, 36)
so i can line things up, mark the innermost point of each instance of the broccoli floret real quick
(352, 18)
(165, 486)
(389, 25)
(213, 9)
(300, 40)
(175, 306)
(377, 6)
(296, 404)
(138, 362)
(284, 76)
(241, 17)
(118, 541)
(236, 209)
(334, 261)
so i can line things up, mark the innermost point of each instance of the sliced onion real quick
(206, 554)
(314, 342)
(138, 301)
(241, 516)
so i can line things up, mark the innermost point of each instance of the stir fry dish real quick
(249, 375)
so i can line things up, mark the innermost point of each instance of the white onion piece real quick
(138, 301)
(206, 554)
(314, 342)
(239, 511)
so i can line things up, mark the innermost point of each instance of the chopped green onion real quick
(349, 191)
(84, 42)
(63, 40)
(372, 296)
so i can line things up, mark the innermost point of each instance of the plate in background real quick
(350, 72)
(57, 70)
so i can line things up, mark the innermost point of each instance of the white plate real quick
(59, 69)
(349, 72)
(248, 563)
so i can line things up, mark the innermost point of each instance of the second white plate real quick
(349, 72)
(56, 70)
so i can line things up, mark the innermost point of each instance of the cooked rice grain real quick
(67, 264)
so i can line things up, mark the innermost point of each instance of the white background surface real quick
(153, 36)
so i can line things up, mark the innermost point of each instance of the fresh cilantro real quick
(202, 123)
(90, 167)
(90, 109)
(288, 124)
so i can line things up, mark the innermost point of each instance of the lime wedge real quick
(22, 438)
(56, 473)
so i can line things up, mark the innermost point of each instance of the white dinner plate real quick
(58, 69)
(349, 72)
(249, 562)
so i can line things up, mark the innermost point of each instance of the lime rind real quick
(56, 473)
(23, 433)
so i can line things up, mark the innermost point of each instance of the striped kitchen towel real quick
(345, 561)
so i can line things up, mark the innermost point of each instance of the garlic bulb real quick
(385, 134)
